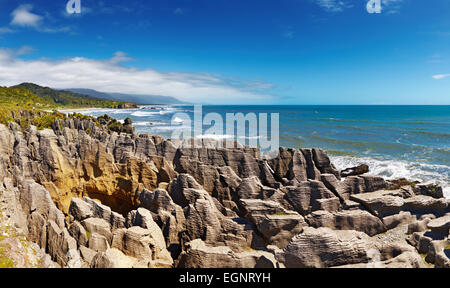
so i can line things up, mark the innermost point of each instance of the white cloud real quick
(22, 16)
(334, 5)
(24, 50)
(120, 57)
(109, 76)
(441, 76)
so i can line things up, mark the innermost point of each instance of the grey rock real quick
(347, 220)
(199, 255)
(80, 210)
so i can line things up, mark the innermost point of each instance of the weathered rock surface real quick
(95, 198)
(355, 171)
(323, 247)
(358, 220)
(198, 255)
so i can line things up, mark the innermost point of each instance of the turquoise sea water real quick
(395, 141)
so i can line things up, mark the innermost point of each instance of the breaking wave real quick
(392, 169)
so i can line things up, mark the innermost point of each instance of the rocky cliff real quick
(89, 196)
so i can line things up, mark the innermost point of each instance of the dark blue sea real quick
(395, 141)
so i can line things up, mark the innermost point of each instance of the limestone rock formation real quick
(88, 196)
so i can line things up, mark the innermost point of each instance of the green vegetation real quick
(37, 100)
(281, 214)
(5, 262)
(58, 98)
(46, 121)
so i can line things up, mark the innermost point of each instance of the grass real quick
(46, 121)
(34, 98)
(5, 261)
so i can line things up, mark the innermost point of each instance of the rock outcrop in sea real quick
(91, 197)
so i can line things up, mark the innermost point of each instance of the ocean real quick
(395, 141)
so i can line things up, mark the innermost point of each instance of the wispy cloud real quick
(178, 11)
(388, 6)
(334, 5)
(109, 76)
(6, 30)
(435, 59)
(22, 16)
(288, 33)
(391, 6)
(441, 76)
(120, 57)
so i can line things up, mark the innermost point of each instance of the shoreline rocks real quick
(91, 197)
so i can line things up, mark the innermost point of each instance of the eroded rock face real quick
(323, 247)
(198, 255)
(92, 198)
(358, 220)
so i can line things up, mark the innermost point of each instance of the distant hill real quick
(138, 99)
(51, 97)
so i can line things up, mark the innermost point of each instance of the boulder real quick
(440, 225)
(198, 255)
(276, 224)
(104, 212)
(98, 243)
(139, 243)
(78, 232)
(323, 163)
(421, 205)
(80, 210)
(310, 196)
(432, 190)
(355, 171)
(87, 254)
(59, 243)
(323, 247)
(381, 203)
(358, 220)
(403, 218)
(113, 258)
(374, 183)
(98, 226)
(250, 188)
(143, 218)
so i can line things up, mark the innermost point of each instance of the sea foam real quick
(392, 169)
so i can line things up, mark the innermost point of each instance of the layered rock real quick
(92, 197)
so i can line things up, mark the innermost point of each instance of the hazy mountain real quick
(138, 99)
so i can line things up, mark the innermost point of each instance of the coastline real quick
(109, 194)
(79, 110)
(157, 122)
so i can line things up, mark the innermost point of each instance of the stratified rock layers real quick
(92, 198)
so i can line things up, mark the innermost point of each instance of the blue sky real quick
(234, 52)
